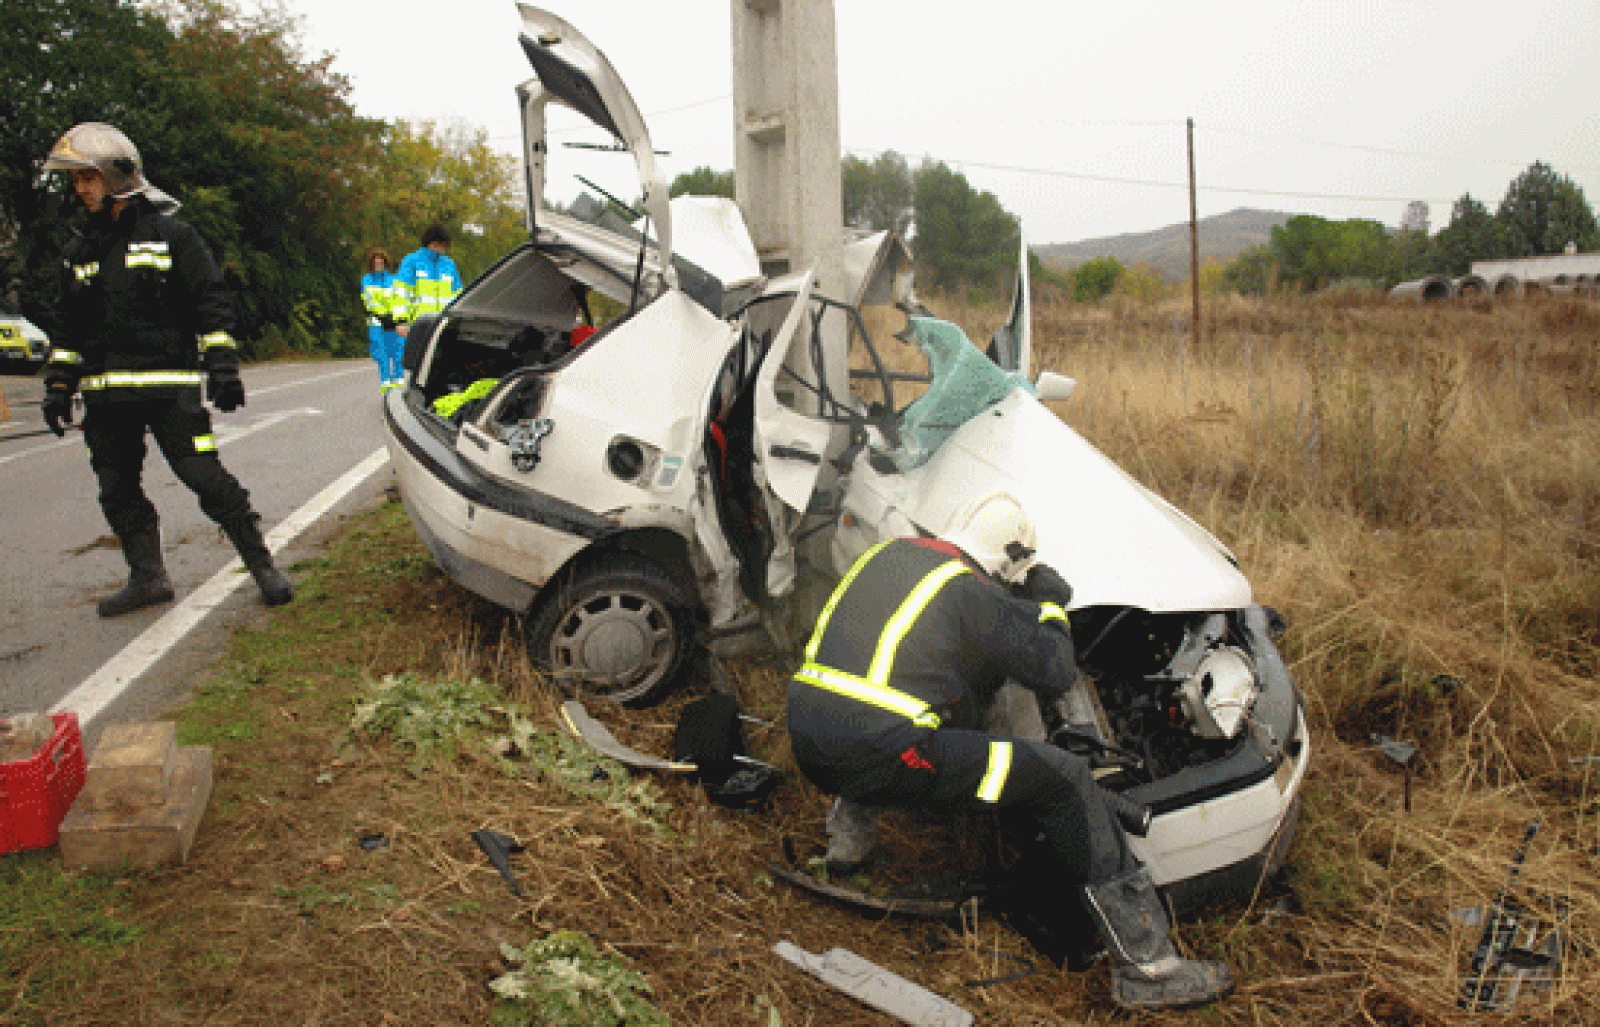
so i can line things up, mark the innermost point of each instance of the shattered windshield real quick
(965, 383)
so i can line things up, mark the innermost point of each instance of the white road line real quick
(100, 689)
(254, 392)
(308, 381)
(265, 422)
(44, 448)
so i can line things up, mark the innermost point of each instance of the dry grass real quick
(1415, 488)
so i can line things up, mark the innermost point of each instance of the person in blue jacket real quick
(380, 296)
(427, 280)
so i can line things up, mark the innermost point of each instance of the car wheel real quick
(618, 628)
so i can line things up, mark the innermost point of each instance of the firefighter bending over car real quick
(920, 635)
(142, 321)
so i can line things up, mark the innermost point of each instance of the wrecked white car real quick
(711, 458)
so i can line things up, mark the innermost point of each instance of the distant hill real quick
(1222, 236)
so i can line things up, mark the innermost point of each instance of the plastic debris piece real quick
(935, 909)
(499, 847)
(373, 842)
(871, 984)
(602, 740)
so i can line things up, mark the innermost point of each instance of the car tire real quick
(618, 628)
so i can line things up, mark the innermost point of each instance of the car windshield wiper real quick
(644, 238)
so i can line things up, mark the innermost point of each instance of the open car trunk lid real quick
(573, 71)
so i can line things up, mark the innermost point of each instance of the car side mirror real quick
(1050, 385)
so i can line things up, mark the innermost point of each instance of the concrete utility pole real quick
(1194, 246)
(786, 136)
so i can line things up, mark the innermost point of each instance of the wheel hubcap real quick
(619, 641)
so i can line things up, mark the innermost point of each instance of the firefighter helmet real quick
(997, 533)
(94, 146)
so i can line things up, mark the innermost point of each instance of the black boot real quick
(246, 538)
(148, 583)
(1147, 973)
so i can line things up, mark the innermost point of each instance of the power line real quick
(1121, 180)
(1384, 151)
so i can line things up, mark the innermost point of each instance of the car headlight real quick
(1220, 694)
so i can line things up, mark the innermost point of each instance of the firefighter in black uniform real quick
(919, 633)
(142, 321)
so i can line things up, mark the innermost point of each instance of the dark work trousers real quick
(1046, 782)
(182, 429)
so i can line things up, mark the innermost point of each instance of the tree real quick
(447, 175)
(1472, 234)
(1143, 283)
(1542, 212)
(964, 238)
(259, 144)
(703, 181)
(1254, 272)
(1314, 251)
(271, 162)
(879, 194)
(1094, 279)
(1048, 279)
(65, 61)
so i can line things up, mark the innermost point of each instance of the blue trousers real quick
(385, 348)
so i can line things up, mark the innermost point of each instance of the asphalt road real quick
(304, 426)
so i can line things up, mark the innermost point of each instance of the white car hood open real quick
(1117, 543)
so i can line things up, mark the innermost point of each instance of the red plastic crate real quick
(35, 793)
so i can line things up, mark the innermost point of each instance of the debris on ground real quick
(871, 984)
(499, 847)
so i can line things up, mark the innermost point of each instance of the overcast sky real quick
(1356, 106)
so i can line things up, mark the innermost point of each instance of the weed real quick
(562, 978)
(570, 764)
(426, 717)
(309, 897)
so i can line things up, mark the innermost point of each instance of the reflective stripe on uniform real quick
(1050, 611)
(891, 699)
(895, 631)
(833, 600)
(148, 254)
(84, 272)
(874, 688)
(126, 379)
(994, 778)
(211, 339)
(65, 356)
(205, 443)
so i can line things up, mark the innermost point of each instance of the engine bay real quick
(1159, 693)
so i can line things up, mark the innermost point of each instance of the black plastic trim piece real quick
(443, 463)
(1245, 766)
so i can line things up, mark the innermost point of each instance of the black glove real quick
(57, 407)
(1044, 585)
(225, 389)
(386, 322)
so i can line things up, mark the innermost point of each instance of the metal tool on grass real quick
(1480, 990)
(1401, 753)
